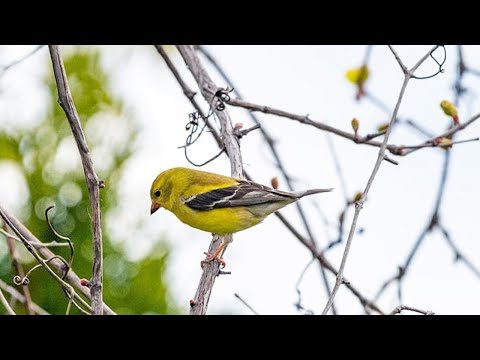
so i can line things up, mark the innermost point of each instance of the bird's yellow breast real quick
(218, 221)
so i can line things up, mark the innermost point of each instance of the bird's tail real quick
(300, 194)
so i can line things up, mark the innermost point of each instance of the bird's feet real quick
(210, 258)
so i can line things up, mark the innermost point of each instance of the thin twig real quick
(376, 167)
(209, 91)
(19, 297)
(93, 183)
(400, 308)
(5, 68)
(459, 256)
(49, 244)
(5, 303)
(245, 303)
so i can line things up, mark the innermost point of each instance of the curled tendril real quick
(439, 63)
(68, 264)
(193, 126)
(25, 280)
(222, 96)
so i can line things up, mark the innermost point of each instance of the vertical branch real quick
(209, 91)
(408, 74)
(19, 270)
(93, 183)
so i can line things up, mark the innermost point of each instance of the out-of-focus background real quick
(134, 115)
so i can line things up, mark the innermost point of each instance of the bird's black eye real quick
(157, 193)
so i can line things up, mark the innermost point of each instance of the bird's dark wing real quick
(245, 193)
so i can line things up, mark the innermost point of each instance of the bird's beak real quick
(154, 207)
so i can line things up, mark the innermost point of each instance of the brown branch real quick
(232, 146)
(400, 150)
(19, 270)
(279, 163)
(19, 297)
(93, 183)
(380, 158)
(400, 308)
(30, 242)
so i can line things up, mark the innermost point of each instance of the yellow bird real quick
(216, 203)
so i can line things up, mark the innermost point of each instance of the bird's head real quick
(161, 190)
(157, 193)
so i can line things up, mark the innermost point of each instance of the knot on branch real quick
(221, 97)
(241, 133)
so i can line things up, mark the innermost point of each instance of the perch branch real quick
(93, 183)
(230, 141)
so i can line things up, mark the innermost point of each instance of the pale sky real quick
(267, 260)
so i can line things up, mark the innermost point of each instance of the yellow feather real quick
(173, 187)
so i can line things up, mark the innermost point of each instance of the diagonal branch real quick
(33, 245)
(232, 146)
(93, 183)
(376, 167)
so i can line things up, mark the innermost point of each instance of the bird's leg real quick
(215, 256)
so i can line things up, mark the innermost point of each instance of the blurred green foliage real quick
(48, 159)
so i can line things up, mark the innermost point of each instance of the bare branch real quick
(5, 68)
(376, 167)
(245, 303)
(400, 62)
(400, 308)
(93, 183)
